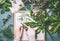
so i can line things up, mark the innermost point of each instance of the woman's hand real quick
(30, 31)
(31, 34)
(18, 32)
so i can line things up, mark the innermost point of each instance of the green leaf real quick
(7, 32)
(23, 8)
(32, 24)
(54, 29)
(7, 9)
(1, 40)
(4, 5)
(8, 4)
(45, 19)
(2, 1)
(6, 19)
(43, 30)
(38, 31)
(2, 11)
(50, 35)
(31, 13)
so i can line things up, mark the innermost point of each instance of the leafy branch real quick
(4, 5)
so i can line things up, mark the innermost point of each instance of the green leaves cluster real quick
(6, 19)
(4, 5)
(44, 20)
(7, 32)
(1, 40)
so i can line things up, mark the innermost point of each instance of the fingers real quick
(21, 29)
(30, 31)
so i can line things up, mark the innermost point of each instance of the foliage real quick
(43, 18)
(7, 32)
(6, 19)
(48, 14)
(4, 5)
(1, 40)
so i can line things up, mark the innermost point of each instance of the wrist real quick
(17, 39)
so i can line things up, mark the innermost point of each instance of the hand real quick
(31, 34)
(18, 32)
(30, 31)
